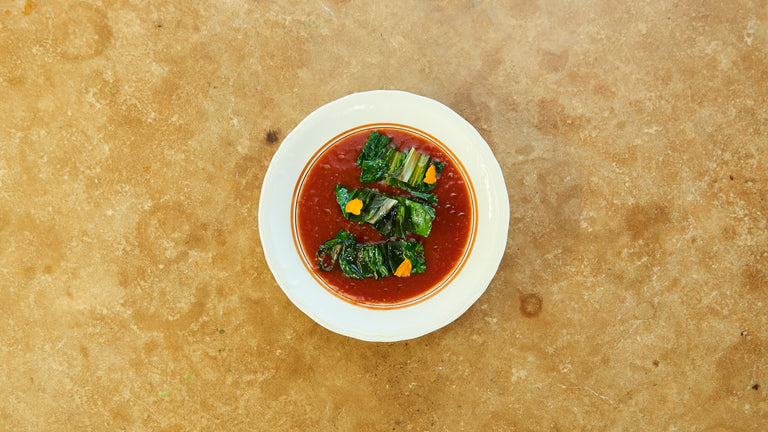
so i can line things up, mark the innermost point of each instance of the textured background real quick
(134, 138)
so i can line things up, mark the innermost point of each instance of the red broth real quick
(318, 218)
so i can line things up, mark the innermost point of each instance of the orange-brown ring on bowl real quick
(309, 262)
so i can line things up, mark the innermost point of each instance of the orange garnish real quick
(354, 206)
(404, 269)
(430, 177)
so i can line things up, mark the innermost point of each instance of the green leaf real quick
(419, 217)
(429, 197)
(343, 196)
(377, 260)
(330, 251)
(393, 223)
(373, 259)
(372, 157)
(408, 166)
(378, 207)
(398, 250)
(372, 170)
(395, 161)
(374, 147)
(379, 160)
(391, 216)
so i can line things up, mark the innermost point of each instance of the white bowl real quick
(284, 259)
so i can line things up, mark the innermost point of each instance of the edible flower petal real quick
(354, 206)
(430, 177)
(404, 269)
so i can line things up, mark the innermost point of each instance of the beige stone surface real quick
(134, 138)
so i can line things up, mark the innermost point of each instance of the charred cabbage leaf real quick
(380, 160)
(392, 216)
(377, 260)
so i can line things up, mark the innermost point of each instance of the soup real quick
(318, 218)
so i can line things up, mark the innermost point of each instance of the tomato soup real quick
(317, 218)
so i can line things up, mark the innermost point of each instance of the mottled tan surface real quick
(633, 137)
